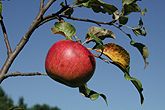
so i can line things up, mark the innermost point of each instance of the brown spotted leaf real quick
(119, 56)
(99, 32)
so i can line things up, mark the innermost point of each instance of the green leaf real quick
(144, 11)
(143, 50)
(130, 6)
(141, 22)
(97, 6)
(92, 95)
(0, 7)
(127, 9)
(136, 83)
(140, 29)
(65, 29)
(123, 20)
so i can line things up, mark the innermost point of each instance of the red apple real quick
(70, 63)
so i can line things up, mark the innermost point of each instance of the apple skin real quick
(70, 63)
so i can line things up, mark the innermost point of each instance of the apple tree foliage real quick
(110, 53)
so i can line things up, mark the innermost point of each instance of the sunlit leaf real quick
(143, 12)
(116, 15)
(143, 50)
(127, 2)
(92, 95)
(97, 6)
(64, 28)
(117, 54)
(140, 29)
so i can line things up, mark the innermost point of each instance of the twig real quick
(66, 3)
(41, 4)
(88, 20)
(15, 74)
(9, 50)
(103, 59)
(57, 15)
(53, 16)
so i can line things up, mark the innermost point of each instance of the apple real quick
(70, 63)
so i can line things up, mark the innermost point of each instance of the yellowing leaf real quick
(117, 54)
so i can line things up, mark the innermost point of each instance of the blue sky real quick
(108, 79)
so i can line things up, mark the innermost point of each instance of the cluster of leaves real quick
(115, 53)
(6, 103)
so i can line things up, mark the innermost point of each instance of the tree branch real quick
(24, 40)
(15, 74)
(9, 50)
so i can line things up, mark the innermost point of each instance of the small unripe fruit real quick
(70, 63)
